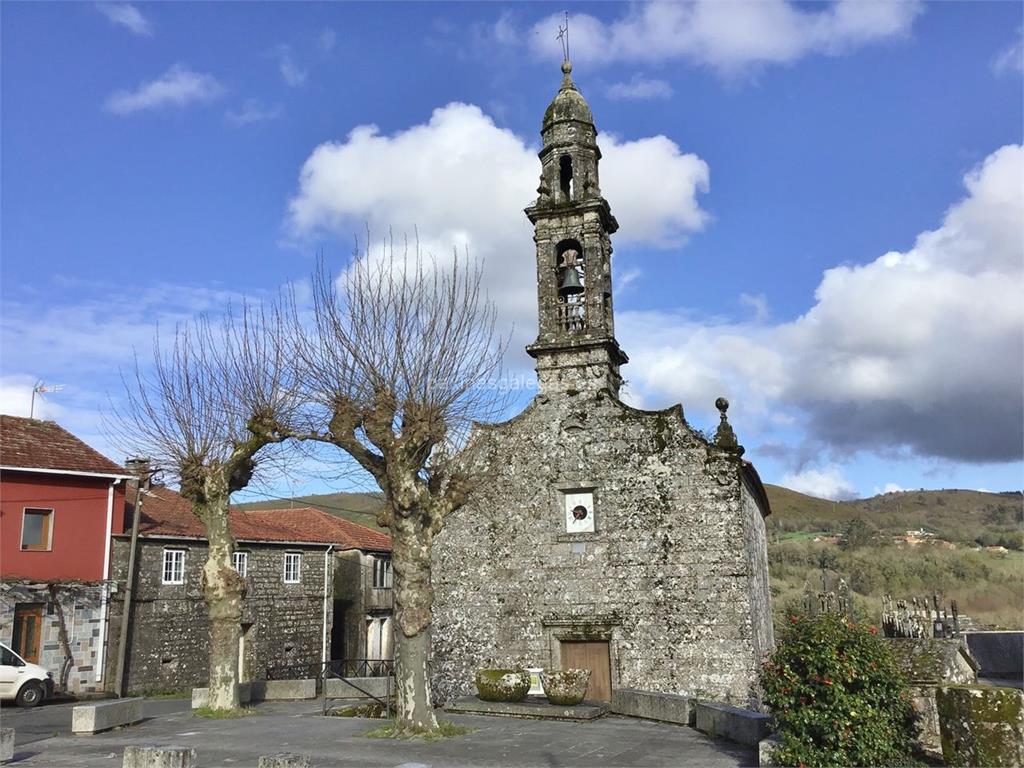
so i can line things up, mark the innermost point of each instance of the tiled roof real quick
(36, 444)
(166, 513)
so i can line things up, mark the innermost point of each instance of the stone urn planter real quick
(502, 684)
(565, 687)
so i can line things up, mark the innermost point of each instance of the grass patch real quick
(446, 729)
(374, 710)
(222, 714)
(182, 693)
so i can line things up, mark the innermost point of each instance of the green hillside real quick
(856, 539)
(358, 507)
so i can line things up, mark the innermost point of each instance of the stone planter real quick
(502, 684)
(565, 687)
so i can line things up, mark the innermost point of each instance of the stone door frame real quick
(596, 628)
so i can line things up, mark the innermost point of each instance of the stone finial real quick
(725, 437)
(567, 76)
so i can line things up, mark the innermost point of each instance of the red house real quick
(60, 502)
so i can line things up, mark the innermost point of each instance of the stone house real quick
(290, 622)
(60, 500)
(604, 537)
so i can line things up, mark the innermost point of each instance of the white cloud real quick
(177, 87)
(640, 88)
(325, 42)
(253, 111)
(463, 181)
(1011, 59)
(128, 16)
(825, 483)
(726, 36)
(293, 74)
(920, 351)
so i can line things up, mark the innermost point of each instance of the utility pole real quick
(141, 469)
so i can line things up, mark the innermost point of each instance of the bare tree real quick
(400, 356)
(206, 412)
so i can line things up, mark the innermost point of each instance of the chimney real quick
(140, 467)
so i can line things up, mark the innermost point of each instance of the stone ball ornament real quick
(722, 405)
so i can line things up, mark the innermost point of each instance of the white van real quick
(28, 684)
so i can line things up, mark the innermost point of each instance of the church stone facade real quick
(602, 536)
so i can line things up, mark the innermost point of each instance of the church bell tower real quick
(576, 350)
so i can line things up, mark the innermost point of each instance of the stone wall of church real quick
(674, 577)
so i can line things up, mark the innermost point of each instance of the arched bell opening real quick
(572, 310)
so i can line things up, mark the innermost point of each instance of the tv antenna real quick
(39, 389)
(563, 37)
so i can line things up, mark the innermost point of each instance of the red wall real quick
(79, 524)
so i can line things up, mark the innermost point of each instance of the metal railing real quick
(347, 669)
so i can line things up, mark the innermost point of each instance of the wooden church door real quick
(593, 656)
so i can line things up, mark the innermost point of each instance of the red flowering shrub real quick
(837, 696)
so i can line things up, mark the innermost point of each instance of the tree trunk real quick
(414, 598)
(223, 590)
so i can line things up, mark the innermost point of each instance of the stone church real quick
(604, 537)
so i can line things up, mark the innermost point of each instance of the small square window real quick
(174, 566)
(36, 527)
(240, 562)
(292, 566)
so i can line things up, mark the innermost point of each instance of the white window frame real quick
(240, 562)
(296, 558)
(381, 569)
(173, 564)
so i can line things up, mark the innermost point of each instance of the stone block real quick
(740, 725)
(6, 744)
(981, 725)
(103, 715)
(766, 750)
(262, 690)
(999, 654)
(359, 687)
(284, 760)
(159, 757)
(667, 707)
(201, 696)
(533, 707)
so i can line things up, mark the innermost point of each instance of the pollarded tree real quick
(400, 357)
(207, 412)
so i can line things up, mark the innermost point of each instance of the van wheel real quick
(29, 695)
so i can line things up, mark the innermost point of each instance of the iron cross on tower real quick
(563, 37)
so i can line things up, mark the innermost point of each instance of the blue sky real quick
(820, 203)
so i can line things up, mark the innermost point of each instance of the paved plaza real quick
(297, 727)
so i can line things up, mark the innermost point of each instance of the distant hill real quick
(357, 507)
(951, 514)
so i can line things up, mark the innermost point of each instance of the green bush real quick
(837, 695)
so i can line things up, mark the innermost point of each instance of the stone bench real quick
(6, 745)
(741, 725)
(158, 757)
(263, 690)
(104, 715)
(666, 707)
(201, 696)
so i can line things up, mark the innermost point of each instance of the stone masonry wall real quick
(675, 576)
(169, 646)
(81, 605)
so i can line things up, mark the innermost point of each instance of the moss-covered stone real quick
(566, 687)
(502, 684)
(981, 725)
